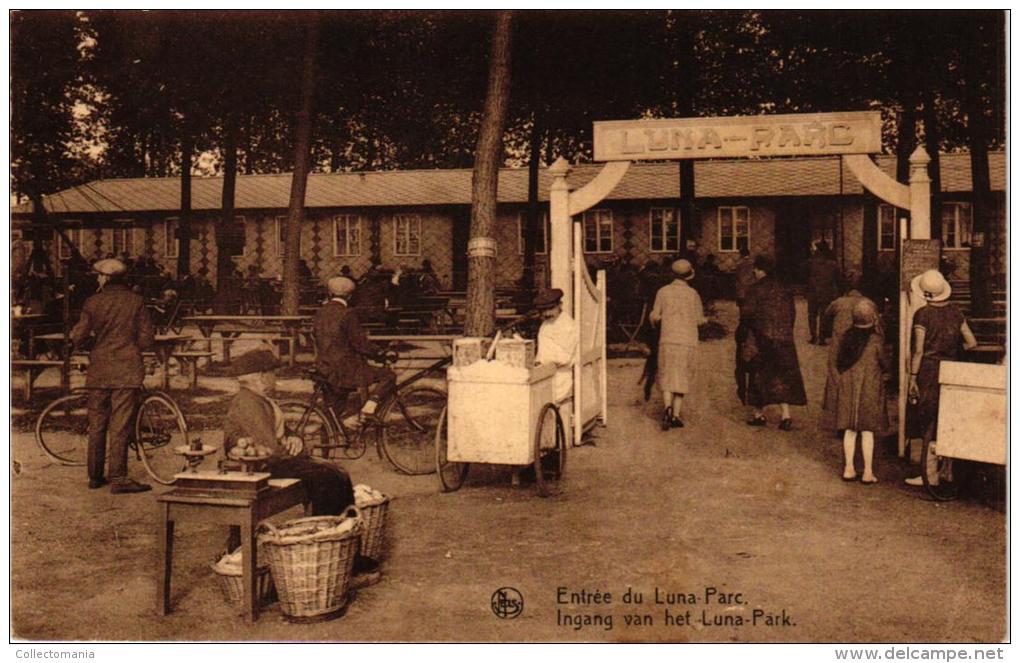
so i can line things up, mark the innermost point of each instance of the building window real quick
(407, 235)
(956, 225)
(734, 228)
(598, 231)
(123, 241)
(236, 237)
(76, 237)
(664, 231)
(542, 241)
(172, 244)
(346, 235)
(281, 235)
(886, 228)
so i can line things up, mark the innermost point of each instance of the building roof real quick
(742, 178)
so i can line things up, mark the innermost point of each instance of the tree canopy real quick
(109, 93)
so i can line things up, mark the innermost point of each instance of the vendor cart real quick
(972, 420)
(503, 415)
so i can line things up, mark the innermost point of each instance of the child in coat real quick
(859, 403)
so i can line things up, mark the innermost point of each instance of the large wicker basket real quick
(374, 516)
(312, 563)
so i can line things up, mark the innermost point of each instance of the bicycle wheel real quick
(944, 491)
(451, 474)
(408, 435)
(61, 430)
(159, 429)
(550, 449)
(312, 425)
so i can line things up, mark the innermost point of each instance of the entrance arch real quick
(851, 135)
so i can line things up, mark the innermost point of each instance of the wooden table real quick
(288, 325)
(163, 346)
(232, 509)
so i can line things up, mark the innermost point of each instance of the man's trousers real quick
(111, 411)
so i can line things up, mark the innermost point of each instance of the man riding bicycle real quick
(342, 348)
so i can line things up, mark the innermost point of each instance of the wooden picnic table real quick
(164, 345)
(289, 326)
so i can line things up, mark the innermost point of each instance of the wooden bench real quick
(191, 358)
(275, 338)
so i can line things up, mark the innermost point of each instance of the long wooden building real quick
(399, 218)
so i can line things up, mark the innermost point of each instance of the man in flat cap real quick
(252, 415)
(678, 312)
(119, 323)
(557, 341)
(342, 348)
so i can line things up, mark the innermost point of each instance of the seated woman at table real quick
(253, 415)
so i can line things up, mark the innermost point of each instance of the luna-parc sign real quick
(809, 134)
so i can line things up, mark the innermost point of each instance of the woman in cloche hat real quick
(938, 329)
(857, 400)
(677, 312)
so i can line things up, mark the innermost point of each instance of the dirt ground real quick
(740, 534)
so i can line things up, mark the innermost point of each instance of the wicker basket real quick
(374, 516)
(311, 564)
(232, 584)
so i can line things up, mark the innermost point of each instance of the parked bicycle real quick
(61, 431)
(403, 429)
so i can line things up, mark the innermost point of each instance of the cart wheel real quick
(451, 475)
(945, 491)
(549, 462)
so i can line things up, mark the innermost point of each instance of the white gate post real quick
(560, 242)
(920, 195)
(920, 228)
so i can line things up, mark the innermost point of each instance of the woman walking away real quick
(938, 328)
(859, 398)
(838, 320)
(678, 312)
(770, 314)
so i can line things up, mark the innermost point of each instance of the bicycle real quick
(404, 426)
(61, 431)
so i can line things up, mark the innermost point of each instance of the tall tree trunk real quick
(533, 224)
(184, 225)
(683, 63)
(983, 206)
(336, 150)
(932, 139)
(481, 318)
(688, 209)
(302, 142)
(225, 234)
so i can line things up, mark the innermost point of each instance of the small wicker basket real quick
(311, 564)
(232, 584)
(374, 516)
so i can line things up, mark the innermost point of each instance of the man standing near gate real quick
(822, 288)
(119, 323)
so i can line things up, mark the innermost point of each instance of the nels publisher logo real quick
(507, 603)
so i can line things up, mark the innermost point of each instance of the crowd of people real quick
(767, 368)
(116, 325)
